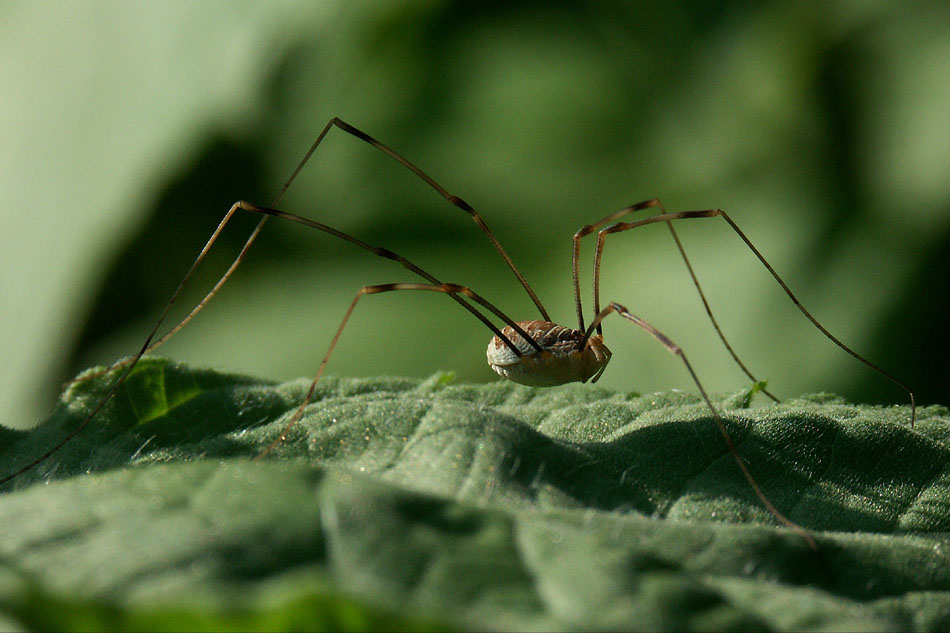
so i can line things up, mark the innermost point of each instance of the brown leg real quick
(266, 212)
(450, 289)
(675, 350)
(711, 213)
(613, 217)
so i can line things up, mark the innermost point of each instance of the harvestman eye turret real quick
(539, 353)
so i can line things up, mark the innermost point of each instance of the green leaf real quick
(396, 503)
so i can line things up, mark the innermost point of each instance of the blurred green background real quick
(823, 129)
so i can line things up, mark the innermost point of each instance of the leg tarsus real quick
(674, 349)
(446, 288)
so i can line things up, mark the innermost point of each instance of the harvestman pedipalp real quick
(537, 352)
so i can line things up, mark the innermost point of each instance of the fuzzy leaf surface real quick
(398, 503)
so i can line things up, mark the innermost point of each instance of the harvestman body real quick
(564, 358)
(539, 353)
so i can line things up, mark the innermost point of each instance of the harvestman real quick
(537, 352)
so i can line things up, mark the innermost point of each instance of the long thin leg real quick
(388, 254)
(613, 217)
(576, 252)
(131, 363)
(453, 290)
(217, 286)
(458, 202)
(266, 212)
(363, 136)
(711, 213)
(674, 349)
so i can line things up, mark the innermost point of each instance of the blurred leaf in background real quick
(129, 129)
